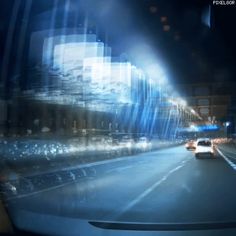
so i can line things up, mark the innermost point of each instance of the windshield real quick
(101, 106)
(204, 143)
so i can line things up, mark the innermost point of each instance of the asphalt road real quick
(165, 186)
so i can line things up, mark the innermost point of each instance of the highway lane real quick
(168, 185)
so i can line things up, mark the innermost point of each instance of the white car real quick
(127, 142)
(204, 148)
(143, 144)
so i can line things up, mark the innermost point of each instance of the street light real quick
(182, 102)
(226, 125)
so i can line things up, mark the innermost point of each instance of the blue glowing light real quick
(211, 127)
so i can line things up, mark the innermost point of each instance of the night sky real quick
(175, 32)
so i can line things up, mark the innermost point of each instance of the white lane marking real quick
(98, 163)
(152, 188)
(227, 159)
(119, 169)
(124, 168)
(229, 152)
(123, 158)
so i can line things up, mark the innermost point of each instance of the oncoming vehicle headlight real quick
(144, 145)
(129, 145)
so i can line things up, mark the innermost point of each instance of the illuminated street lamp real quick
(226, 125)
(183, 103)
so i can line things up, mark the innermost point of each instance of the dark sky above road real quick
(194, 43)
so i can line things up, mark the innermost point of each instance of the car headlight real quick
(145, 145)
(129, 145)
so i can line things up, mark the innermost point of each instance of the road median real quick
(34, 155)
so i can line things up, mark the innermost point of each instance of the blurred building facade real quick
(214, 102)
